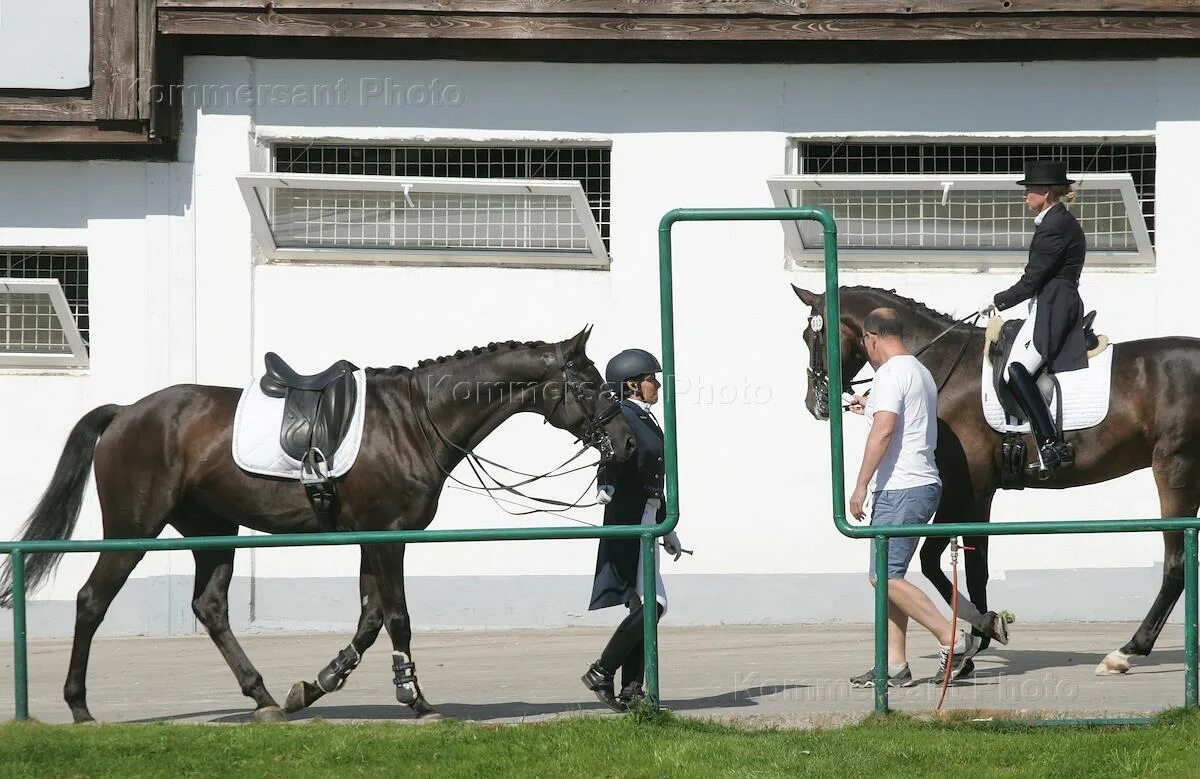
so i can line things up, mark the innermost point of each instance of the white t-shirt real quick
(903, 385)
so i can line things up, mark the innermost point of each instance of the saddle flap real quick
(318, 418)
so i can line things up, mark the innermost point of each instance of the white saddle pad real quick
(1085, 396)
(256, 424)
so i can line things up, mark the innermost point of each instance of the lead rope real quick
(954, 547)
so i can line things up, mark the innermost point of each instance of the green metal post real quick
(1191, 594)
(650, 618)
(881, 624)
(20, 656)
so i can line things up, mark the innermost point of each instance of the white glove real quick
(672, 546)
(987, 311)
(604, 494)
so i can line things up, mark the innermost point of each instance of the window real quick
(530, 205)
(43, 309)
(959, 204)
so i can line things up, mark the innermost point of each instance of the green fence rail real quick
(17, 550)
(880, 535)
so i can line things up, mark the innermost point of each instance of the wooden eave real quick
(138, 45)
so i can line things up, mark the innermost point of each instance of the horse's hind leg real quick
(1179, 496)
(333, 677)
(210, 603)
(96, 595)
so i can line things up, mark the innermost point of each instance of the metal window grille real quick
(531, 223)
(589, 165)
(26, 324)
(884, 158)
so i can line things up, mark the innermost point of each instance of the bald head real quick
(885, 323)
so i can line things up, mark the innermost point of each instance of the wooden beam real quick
(67, 133)
(49, 108)
(115, 59)
(706, 7)
(370, 25)
(147, 36)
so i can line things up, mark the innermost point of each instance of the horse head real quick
(854, 356)
(575, 398)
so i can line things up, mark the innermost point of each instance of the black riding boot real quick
(1055, 452)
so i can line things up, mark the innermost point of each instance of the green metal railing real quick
(17, 550)
(881, 535)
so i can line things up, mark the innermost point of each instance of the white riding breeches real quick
(1023, 350)
(650, 517)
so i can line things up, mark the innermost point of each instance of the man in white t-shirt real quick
(898, 469)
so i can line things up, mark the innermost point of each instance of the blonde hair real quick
(1062, 192)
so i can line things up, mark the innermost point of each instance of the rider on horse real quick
(1052, 338)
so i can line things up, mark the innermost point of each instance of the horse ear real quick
(809, 298)
(579, 340)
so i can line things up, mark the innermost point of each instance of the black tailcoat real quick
(634, 481)
(1051, 276)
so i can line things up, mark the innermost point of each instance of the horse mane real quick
(461, 354)
(918, 305)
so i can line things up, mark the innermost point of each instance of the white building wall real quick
(754, 466)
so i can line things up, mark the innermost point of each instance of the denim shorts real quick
(912, 506)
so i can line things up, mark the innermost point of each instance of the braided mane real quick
(916, 304)
(494, 346)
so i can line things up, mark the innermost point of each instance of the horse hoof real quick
(269, 714)
(297, 698)
(424, 711)
(1114, 663)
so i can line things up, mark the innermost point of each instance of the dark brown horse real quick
(167, 460)
(1153, 422)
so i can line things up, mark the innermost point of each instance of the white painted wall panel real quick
(45, 44)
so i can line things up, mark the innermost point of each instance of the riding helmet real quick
(630, 364)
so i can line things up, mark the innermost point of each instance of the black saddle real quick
(1001, 348)
(317, 409)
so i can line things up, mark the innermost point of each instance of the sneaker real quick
(997, 626)
(600, 682)
(902, 678)
(966, 648)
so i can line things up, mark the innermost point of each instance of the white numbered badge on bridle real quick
(816, 323)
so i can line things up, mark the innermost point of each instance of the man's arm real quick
(883, 427)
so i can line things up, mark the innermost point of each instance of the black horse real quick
(167, 460)
(1153, 422)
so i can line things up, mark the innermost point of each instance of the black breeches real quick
(625, 649)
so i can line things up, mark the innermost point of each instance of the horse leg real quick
(387, 560)
(210, 604)
(1179, 496)
(962, 508)
(96, 595)
(333, 677)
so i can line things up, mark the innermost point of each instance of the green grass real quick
(618, 747)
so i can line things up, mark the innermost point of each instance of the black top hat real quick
(1045, 173)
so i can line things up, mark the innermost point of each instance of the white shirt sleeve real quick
(886, 394)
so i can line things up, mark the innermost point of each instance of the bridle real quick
(595, 435)
(818, 376)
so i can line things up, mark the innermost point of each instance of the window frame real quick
(596, 258)
(804, 256)
(78, 358)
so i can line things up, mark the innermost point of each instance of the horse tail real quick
(57, 512)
